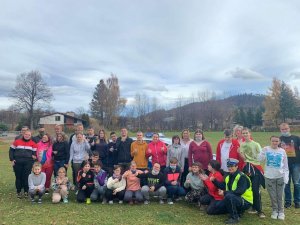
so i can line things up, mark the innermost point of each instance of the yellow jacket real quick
(138, 152)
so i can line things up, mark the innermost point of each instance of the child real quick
(194, 182)
(213, 198)
(176, 150)
(85, 180)
(116, 185)
(60, 186)
(172, 179)
(276, 175)
(133, 185)
(100, 180)
(36, 182)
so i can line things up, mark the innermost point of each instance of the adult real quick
(23, 130)
(79, 152)
(158, 151)
(154, 185)
(61, 152)
(123, 145)
(44, 156)
(39, 137)
(138, 151)
(91, 137)
(22, 152)
(133, 192)
(200, 150)
(78, 129)
(228, 148)
(116, 185)
(185, 144)
(176, 150)
(101, 147)
(112, 150)
(237, 192)
(290, 143)
(237, 131)
(58, 129)
(250, 151)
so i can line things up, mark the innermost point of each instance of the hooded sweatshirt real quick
(139, 157)
(79, 151)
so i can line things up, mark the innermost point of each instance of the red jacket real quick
(212, 189)
(202, 153)
(158, 155)
(233, 152)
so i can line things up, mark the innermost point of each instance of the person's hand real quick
(13, 162)
(151, 189)
(190, 169)
(83, 174)
(83, 187)
(203, 176)
(212, 178)
(111, 149)
(146, 171)
(116, 180)
(66, 165)
(114, 192)
(221, 192)
(174, 182)
(54, 152)
(188, 181)
(149, 151)
(135, 151)
(162, 149)
(34, 156)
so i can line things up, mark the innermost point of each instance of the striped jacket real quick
(22, 150)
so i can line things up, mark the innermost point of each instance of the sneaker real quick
(111, 202)
(178, 199)
(25, 194)
(104, 201)
(287, 205)
(274, 215)
(47, 192)
(120, 202)
(146, 202)
(232, 221)
(40, 201)
(281, 216)
(76, 193)
(261, 215)
(65, 200)
(297, 205)
(161, 202)
(88, 201)
(32, 200)
(252, 211)
(19, 195)
(170, 202)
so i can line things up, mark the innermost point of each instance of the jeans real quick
(98, 192)
(58, 164)
(175, 191)
(161, 192)
(130, 194)
(295, 176)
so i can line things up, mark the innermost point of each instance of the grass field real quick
(15, 211)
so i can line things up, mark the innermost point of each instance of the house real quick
(67, 120)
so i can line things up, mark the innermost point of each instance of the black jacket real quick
(63, 151)
(123, 150)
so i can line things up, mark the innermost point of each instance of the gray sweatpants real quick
(161, 192)
(275, 187)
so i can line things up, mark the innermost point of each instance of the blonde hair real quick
(62, 169)
(36, 164)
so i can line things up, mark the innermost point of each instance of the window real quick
(57, 118)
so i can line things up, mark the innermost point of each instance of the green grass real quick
(15, 211)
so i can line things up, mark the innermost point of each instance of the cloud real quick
(294, 75)
(158, 88)
(245, 74)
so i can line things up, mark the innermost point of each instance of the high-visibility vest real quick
(248, 194)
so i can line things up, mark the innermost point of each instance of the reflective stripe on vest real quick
(247, 195)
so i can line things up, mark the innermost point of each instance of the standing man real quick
(290, 143)
(123, 145)
(39, 137)
(91, 137)
(138, 151)
(23, 130)
(112, 151)
(78, 130)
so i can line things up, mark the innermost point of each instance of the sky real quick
(165, 49)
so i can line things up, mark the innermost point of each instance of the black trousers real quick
(86, 193)
(235, 205)
(214, 207)
(110, 197)
(255, 180)
(22, 170)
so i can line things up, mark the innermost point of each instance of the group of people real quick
(124, 170)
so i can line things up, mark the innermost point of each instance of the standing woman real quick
(101, 147)
(185, 144)
(44, 156)
(200, 150)
(61, 152)
(158, 150)
(175, 150)
(79, 151)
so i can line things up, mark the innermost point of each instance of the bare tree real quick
(31, 92)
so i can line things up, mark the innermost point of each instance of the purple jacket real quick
(100, 178)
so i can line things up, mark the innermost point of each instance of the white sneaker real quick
(281, 216)
(120, 202)
(170, 202)
(111, 202)
(274, 215)
(161, 202)
(146, 202)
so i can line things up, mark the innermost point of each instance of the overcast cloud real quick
(162, 48)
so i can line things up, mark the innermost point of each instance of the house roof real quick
(66, 115)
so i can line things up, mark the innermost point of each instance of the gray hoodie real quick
(79, 151)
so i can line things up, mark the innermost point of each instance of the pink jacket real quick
(158, 152)
(44, 148)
